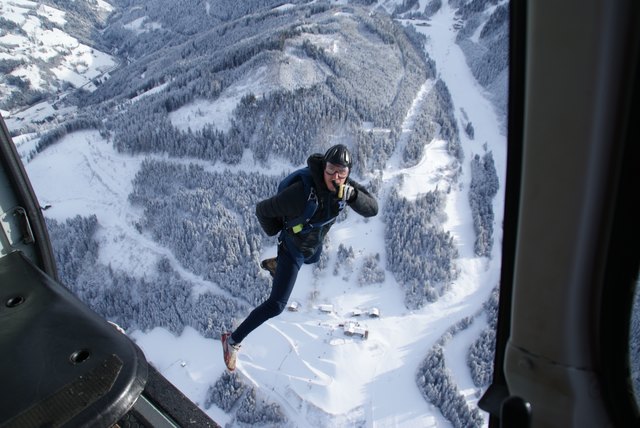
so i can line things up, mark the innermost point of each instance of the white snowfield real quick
(78, 63)
(302, 359)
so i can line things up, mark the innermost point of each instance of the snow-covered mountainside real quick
(47, 48)
(151, 173)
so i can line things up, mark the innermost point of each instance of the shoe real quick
(270, 265)
(229, 351)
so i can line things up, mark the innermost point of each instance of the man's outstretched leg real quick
(283, 282)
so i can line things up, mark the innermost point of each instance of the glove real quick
(346, 192)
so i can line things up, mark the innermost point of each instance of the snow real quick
(78, 63)
(141, 25)
(291, 74)
(302, 359)
(200, 113)
(92, 178)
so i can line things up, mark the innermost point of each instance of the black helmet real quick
(338, 155)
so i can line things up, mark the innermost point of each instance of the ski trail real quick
(471, 103)
(395, 163)
(470, 99)
(434, 171)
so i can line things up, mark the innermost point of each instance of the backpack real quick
(302, 223)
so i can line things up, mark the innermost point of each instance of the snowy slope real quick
(302, 359)
(46, 59)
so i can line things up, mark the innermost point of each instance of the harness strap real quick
(309, 210)
(302, 223)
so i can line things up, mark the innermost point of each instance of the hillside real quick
(46, 49)
(158, 168)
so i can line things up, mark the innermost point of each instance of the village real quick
(350, 327)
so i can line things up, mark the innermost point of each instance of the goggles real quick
(332, 170)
